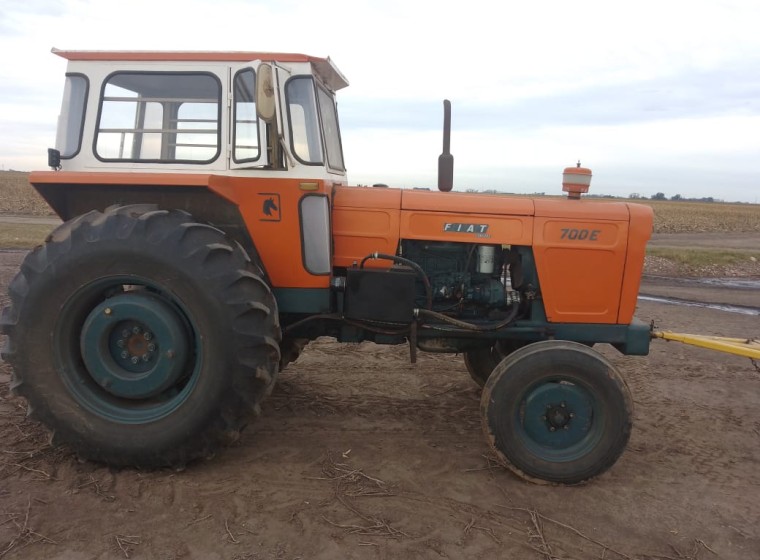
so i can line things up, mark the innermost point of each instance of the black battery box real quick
(380, 295)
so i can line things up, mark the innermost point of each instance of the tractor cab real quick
(200, 113)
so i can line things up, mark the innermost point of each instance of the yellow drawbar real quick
(747, 347)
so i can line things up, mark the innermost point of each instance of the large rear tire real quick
(557, 411)
(140, 337)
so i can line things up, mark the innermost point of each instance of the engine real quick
(469, 279)
(459, 280)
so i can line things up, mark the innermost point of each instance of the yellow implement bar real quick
(747, 347)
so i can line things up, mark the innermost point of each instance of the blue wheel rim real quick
(559, 420)
(134, 345)
(86, 346)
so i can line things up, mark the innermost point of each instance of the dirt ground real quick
(360, 454)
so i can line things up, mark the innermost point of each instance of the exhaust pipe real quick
(446, 160)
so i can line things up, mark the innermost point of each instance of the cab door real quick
(246, 134)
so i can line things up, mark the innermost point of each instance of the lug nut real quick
(151, 347)
(567, 427)
(562, 404)
(572, 415)
(125, 355)
(145, 357)
(124, 333)
(147, 335)
(136, 329)
(135, 359)
(120, 343)
(552, 428)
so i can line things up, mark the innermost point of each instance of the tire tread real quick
(247, 299)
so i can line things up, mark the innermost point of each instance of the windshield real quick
(313, 123)
(332, 132)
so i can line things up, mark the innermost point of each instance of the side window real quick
(305, 138)
(331, 130)
(71, 121)
(315, 233)
(246, 131)
(159, 117)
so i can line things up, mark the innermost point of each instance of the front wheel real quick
(557, 411)
(480, 361)
(140, 337)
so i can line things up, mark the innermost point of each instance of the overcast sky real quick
(652, 95)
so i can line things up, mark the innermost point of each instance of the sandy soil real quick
(360, 454)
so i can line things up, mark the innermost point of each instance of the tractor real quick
(209, 233)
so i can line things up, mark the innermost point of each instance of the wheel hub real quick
(557, 415)
(135, 345)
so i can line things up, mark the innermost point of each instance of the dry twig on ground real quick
(26, 534)
(127, 543)
(348, 483)
(542, 517)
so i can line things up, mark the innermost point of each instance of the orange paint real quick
(589, 257)
(441, 226)
(278, 241)
(642, 218)
(462, 203)
(365, 220)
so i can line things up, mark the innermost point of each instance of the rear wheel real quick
(140, 337)
(557, 411)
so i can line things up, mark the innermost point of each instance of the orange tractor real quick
(209, 233)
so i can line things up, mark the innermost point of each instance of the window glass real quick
(315, 233)
(159, 117)
(246, 131)
(331, 130)
(304, 124)
(71, 120)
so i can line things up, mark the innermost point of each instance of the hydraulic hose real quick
(469, 326)
(417, 268)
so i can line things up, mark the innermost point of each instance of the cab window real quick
(305, 138)
(159, 117)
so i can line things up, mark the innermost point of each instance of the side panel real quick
(270, 209)
(365, 220)
(640, 232)
(580, 261)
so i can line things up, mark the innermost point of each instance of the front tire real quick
(480, 361)
(140, 337)
(557, 411)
